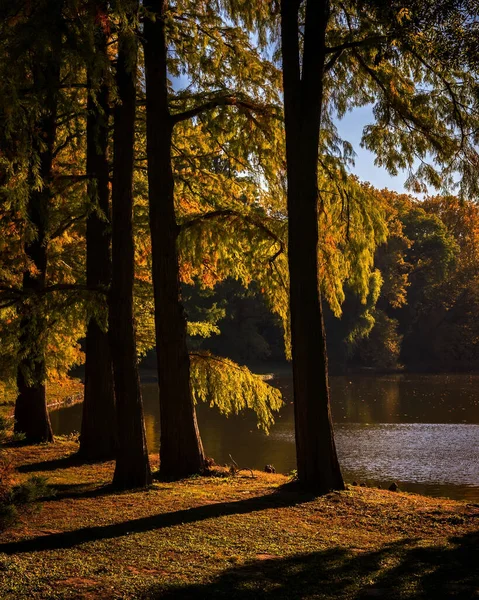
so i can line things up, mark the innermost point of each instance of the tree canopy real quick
(202, 137)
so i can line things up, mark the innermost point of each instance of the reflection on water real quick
(406, 398)
(419, 430)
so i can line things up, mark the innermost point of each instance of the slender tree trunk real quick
(31, 413)
(318, 467)
(132, 464)
(98, 431)
(181, 449)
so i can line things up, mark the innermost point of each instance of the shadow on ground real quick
(66, 462)
(70, 539)
(64, 491)
(401, 570)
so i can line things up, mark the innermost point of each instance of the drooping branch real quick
(410, 120)
(226, 100)
(9, 296)
(228, 213)
(212, 357)
(456, 105)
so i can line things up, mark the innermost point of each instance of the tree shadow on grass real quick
(70, 539)
(66, 462)
(67, 491)
(398, 571)
(15, 443)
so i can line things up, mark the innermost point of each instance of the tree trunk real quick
(181, 449)
(98, 430)
(318, 467)
(31, 413)
(132, 464)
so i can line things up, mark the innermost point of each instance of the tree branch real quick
(228, 213)
(227, 100)
(9, 296)
(332, 61)
(65, 143)
(66, 225)
(357, 44)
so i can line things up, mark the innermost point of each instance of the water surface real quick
(421, 431)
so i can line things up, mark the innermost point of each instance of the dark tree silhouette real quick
(318, 466)
(132, 464)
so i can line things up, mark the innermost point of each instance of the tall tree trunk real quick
(181, 449)
(98, 430)
(318, 467)
(132, 464)
(31, 413)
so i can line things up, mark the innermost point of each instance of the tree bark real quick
(31, 413)
(181, 449)
(98, 430)
(132, 463)
(318, 466)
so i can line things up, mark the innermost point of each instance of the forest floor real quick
(230, 537)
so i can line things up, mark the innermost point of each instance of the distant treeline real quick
(422, 311)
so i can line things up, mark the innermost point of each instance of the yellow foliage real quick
(233, 388)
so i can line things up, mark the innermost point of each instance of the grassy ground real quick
(231, 537)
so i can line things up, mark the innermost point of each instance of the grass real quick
(230, 537)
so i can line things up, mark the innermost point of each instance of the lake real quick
(421, 431)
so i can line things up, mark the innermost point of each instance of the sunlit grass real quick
(222, 536)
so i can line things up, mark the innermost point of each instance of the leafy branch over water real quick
(233, 388)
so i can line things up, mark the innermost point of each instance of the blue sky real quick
(350, 128)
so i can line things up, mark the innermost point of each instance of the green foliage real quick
(438, 41)
(352, 224)
(233, 388)
(426, 313)
(202, 329)
(422, 306)
(356, 322)
(34, 488)
(447, 303)
(229, 177)
(415, 62)
(204, 313)
(365, 320)
(382, 348)
(28, 87)
(15, 499)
